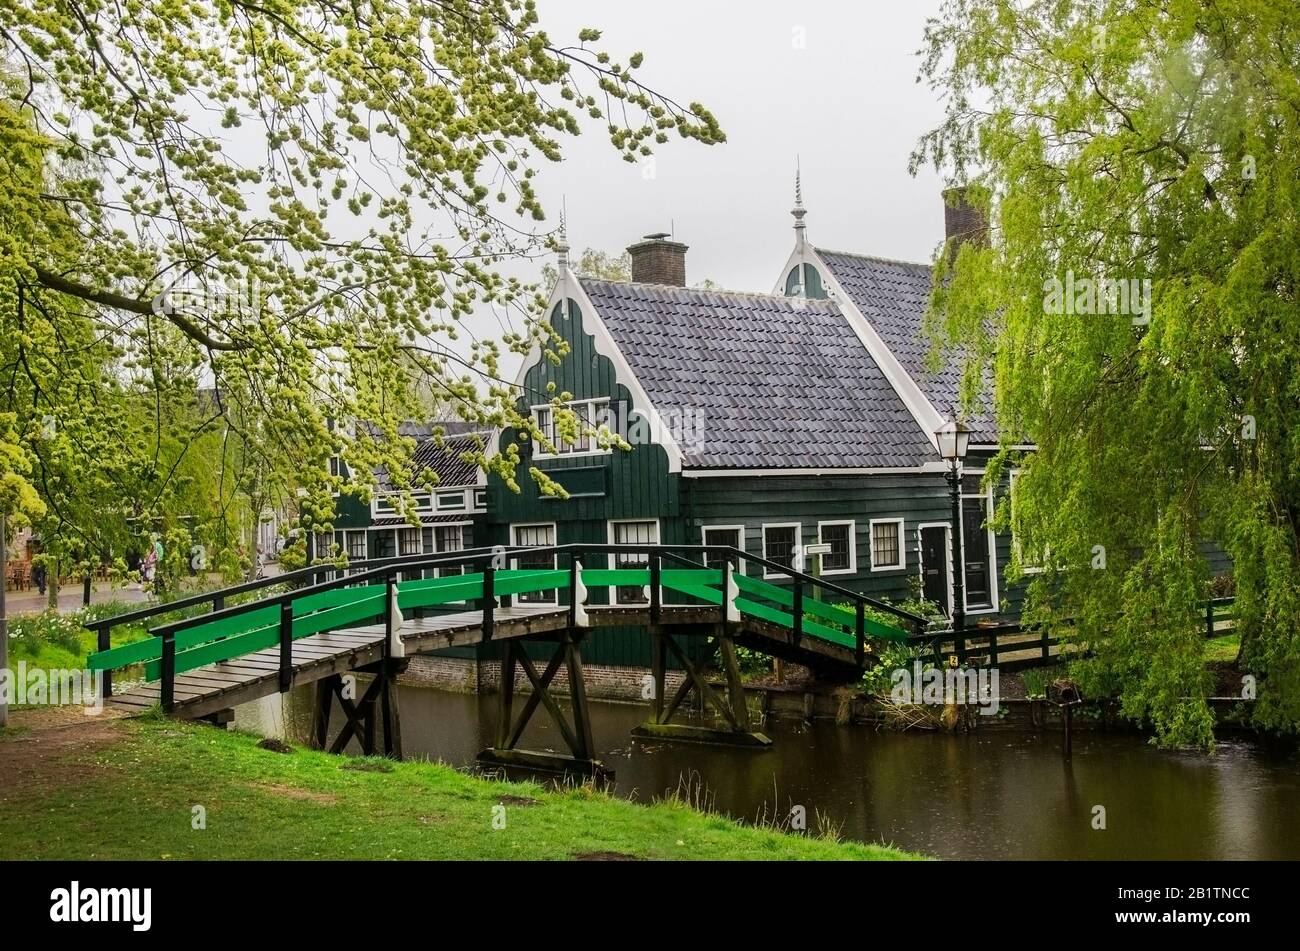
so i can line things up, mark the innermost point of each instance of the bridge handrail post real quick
(389, 586)
(286, 645)
(167, 689)
(797, 612)
(860, 645)
(104, 643)
(489, 600)
(656, 588)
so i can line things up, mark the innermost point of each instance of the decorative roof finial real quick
(799, 211)
(563, 244)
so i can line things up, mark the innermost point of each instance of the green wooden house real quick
(447, 513)
(769, 422)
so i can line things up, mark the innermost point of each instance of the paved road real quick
(30, 601)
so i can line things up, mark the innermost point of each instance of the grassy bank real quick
(132, 796)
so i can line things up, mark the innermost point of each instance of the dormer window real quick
(805, 280)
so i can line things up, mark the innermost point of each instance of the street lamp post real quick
(953, 439)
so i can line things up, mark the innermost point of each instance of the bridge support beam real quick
(372, 719)
(731, 707)
(510, 728)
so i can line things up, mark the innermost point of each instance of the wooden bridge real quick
(371, 618)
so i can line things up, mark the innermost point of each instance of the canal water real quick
(985, 795)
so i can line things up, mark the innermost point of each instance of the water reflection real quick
(985, 795)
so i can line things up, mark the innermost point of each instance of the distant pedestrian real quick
(39, 577)
(149, 565)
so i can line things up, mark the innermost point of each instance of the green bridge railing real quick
(373, 592)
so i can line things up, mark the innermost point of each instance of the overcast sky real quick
(830, 81)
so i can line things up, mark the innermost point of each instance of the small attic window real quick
(810, 285)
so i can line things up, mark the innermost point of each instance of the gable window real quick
(641, 532)
(453, 501)
(731, 536)
(535, 536)
(591, 414)
(887, 552)
(804, 280)
(780, 544)
(842, 559)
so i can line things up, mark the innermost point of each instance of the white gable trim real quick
(568, 286)
(926, 416)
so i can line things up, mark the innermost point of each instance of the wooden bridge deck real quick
(207, 690)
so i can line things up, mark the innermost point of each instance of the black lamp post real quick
(953, 438)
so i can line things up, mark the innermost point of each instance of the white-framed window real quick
(356, 542)
(448, 539)
(732, 536)
(633, 532)
(888, 544)
(537, 535)
(591, 414)
(978, 547)
(1031, 563)
(480, 498)
(842, 559)
(781, 542)
(408, 541)
(449, 500)
(323, 544)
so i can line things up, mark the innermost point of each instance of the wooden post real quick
(735, 686)
(578, 696)
(85, 590)
(860, 635)
(797, 613)
(489, 601)
(1209, 618)
(104, 642)
(507, 697)
(658, 670)
(286, 646)
(168, 688)
(388, 705)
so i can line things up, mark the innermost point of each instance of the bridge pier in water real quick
(730, 706)
(373, 715)
(577, 733)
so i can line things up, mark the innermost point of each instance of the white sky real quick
(847, 105)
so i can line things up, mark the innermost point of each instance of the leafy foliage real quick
(1121, 140)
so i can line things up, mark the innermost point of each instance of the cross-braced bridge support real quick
(729, 706)
(574, 728)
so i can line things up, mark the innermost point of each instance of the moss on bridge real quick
(129, 790)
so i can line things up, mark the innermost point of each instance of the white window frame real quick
(480, 498)
(348, 535)
(612, 560)
(704, 538)
(458, 505)
(514, 562)
(852, 569)
(990, 540)
(902, 543)
(592, 449)
(419, 538)
(798, 543)
(1015, 537)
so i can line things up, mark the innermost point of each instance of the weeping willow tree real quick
(292, 207)
(1140, 163)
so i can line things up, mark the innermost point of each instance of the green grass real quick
(134, 799)
(1222, 649)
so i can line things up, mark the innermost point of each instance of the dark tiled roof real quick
(444, 461)
(396, 521)
(778, 383)
(892, 295)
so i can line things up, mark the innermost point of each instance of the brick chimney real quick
(962, 221)
(658, 260)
